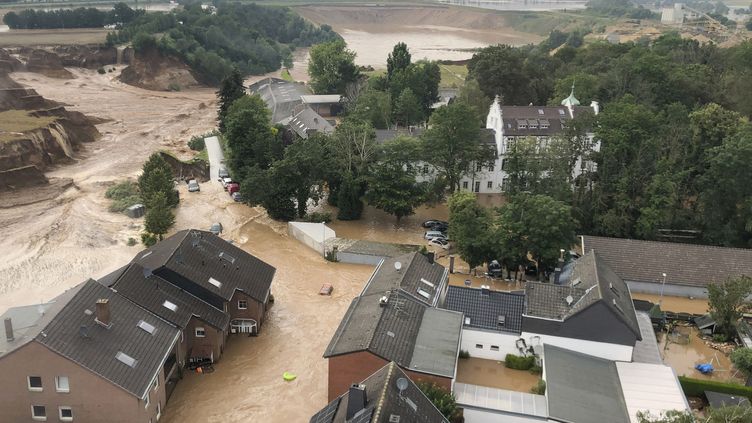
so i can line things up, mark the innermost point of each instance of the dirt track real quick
(51, 245)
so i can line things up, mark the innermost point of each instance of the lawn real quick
(453, 75)
(13, 122)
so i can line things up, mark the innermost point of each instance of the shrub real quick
(519, 363)
(317, 217)
(101, 71)
(196, 143)
(131, 242)
(464, 354)
(536, 369)
(719, 337)
(697, 387)
(539, 388)
(148, 239)
(123, 195)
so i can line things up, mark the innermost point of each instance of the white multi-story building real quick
(512, 123)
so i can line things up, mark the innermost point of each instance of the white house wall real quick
(479, 344)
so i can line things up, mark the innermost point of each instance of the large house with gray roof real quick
(89, 355)
(386, 396)
(689, 268)
(590, 311)
(395, 319)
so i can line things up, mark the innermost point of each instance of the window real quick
(159, 410)
(479, 346)
(425, 169)
(423, 293)
(502, 321)
(126, 359)
(215, 282)
(561, 112)
(35, 383)
(540, 111)
(146, 402)
(503, 164)
(423, 280)
(66, 414)
(467, 320)
(242, 304)
(505, 185)
(61, 384)
(490, 168)
(464, 185)
(169, 305)
(478, 167)
(148, 327)
(39, 412)
(156, 382)
(200, 332)
(489, 185)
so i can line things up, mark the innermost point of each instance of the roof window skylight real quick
(126, 359)
(148, 327)
(170, 305)
(423, 293)
(215, 282)
(427, 283)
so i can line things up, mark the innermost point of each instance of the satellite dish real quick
(402, 384)
(398, 266)
(147, 272)
(569, 299)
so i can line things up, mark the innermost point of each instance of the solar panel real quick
(126, 359)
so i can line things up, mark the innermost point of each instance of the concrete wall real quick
(346, 369)
(91, 398)
(472, 338)
(668, 289)
(478, 415)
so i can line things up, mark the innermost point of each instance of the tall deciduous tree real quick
(156, 180)
(407, 108)
(251, 142)
(159, 217)
(442, 399)
(332, 67)
(451, 144)
(726, 303)
(398, 60)
(500, 71)
(470, 229)
(230, 89)
(392, 186)
(373, 106)
(535, 226)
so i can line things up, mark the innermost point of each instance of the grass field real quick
(14, 122)
(31, 37)
(453, 75)
(542, 23)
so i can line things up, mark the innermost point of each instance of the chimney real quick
(8, 329)
(103, 312)
(356, 400)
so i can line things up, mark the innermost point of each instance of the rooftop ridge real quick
(384, 389)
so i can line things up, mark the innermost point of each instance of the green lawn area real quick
(286, 75)
(13, 122)
(453, 75)
(542, 23)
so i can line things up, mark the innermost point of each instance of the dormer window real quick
(561, 112)
(533, 124)
(540, 112)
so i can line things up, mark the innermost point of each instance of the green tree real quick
(332, 67)
(473, 97)
(536, 226)
(442, 399)
(303, 169)
(230, 89)
(392, 186)
(398, 60)
(156, 179)
(500, 71)
(407, 108)
(373, 106)
(251, 142)
(159, 217)
(422, 78)
(729, 414)
(349, 199)
(726, 303)
(525, 166)
(742, 359)
(470, 229)
(451, 144)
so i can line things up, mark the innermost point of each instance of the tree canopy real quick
(332, 67)
(726, 303)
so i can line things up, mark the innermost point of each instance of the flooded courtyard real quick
(477, 371)
(685, 353)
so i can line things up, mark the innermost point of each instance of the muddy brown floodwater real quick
(683, 358)
(675, 304)
(494, 374)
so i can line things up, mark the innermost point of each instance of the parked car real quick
(193, 186)
(429, 235)
(237, 196)
(439, 242)
(430, 223)
(216, 228)
(441, 227)
(223, 173)
(224, 182)
(233, 187)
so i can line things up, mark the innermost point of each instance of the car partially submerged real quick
(216, 228)
(439, 242)
(193, 186)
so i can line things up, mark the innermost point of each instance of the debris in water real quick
(288, 377)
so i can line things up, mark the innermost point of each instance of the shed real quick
(706, 324)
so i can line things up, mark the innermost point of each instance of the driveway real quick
(215, 157)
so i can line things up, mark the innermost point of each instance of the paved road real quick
(215, 156)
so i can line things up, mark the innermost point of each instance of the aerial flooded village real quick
(444, 211)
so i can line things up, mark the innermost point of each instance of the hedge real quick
(519, 363)
(697, 387)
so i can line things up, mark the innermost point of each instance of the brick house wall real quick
(213, 337)
(91, 398)
(255, 309)
(346, 369)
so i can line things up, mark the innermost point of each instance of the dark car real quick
(441, 227)
(237, 196)
(431, 223)
(223, 173)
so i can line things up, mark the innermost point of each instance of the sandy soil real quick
(51, 245)
(431, 32)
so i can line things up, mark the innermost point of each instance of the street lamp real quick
(660, 301)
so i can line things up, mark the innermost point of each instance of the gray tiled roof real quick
(684, 264)
(306, 122)
(95, 347)
(384, 400)
(554, 116)
(195, 255)
(415, 277)
(483, 310)
(280, 96)
(29, 320)
(582, 388)
(152, 291)
(591, 281)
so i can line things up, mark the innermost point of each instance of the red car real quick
(233, 187)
